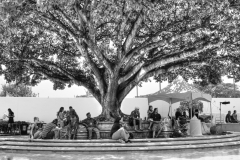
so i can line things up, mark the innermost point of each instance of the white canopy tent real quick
(179, 90)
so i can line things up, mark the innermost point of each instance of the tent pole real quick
(191, 115)
(171, 106)
(211, 114)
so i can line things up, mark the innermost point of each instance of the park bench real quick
(105, 130)
(219, 121)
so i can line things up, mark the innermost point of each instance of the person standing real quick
(73, 112)
(10, 120)
(91, 126)
(157, 126)
(135, 119)
(60, 117)
(149, 113)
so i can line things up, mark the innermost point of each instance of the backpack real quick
(131, 136)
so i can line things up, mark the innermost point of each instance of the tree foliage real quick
(222, 90)
(196, 104)
(110, 46)
(19, 90)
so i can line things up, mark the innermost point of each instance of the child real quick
(149, 112)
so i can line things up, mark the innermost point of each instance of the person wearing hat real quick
(135, 119)
(91, 126)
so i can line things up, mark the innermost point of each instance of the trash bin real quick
(24, 128)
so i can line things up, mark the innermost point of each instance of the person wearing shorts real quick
(135, 119)
(157, 126)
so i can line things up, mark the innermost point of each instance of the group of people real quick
(231, 118)
(68, 120)
(180, 115)
(154, 119)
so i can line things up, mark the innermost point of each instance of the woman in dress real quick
(10, 120)
(60, 117)
(149, 113)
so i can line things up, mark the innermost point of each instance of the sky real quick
(45, 89)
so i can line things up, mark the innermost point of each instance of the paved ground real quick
(213, 154)
(200, 154)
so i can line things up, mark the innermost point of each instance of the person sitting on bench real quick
(178, 114)
(228, 118)
(157, 125)
(50, 131)
(34, 127)
(234, 117)
(135, 119)
(185, 115)
(91, 126)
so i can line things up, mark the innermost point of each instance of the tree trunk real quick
(110, 103)
(110, 109)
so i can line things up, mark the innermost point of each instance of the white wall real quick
(46, 108)
(25, 108)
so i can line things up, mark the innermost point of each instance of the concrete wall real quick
(235, 127)
(46, 108)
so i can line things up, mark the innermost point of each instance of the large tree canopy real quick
(222, 90)
(109, 46)
(19, 90)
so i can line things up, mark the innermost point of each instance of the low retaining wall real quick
(113, 146)
(230, 127)
(105, 130)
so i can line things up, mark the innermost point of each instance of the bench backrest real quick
(218, 120)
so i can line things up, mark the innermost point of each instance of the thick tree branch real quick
(181, 56)
(129, 40)
(95, 70)
(67, 19)
(131, 72)
(170, 59)
(102, 59)
(139, 77)
(90, 41)
(50, 75)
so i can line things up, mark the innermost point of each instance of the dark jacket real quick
(228, 118)
(177, 115)
(156, 117)
(90, 122)
(115, 127)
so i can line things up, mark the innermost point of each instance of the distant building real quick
(87, 95)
